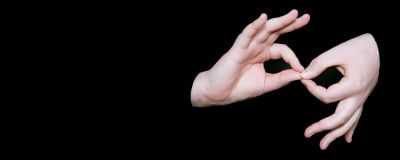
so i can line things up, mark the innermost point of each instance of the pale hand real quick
(240, 73)
(358, 60)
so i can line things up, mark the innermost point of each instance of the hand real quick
(240, 73)
(358, 61)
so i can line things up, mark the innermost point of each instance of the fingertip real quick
(290, 75)
(302, 68)
(292, 14)
(306, 16)
(299, 68)
(348, 138)
(294, 11)
(263, 16)
(305, 74)
(260, 19)
(259, 22)
(298, 77)
(308, 132)
(322, 145)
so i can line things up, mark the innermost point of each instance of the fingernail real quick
(302, 68)
(305, 74)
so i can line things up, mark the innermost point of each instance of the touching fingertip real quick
(305, 74)
(300, 68)
(297, 76)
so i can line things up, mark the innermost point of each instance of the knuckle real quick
(326, 99)
(329, 98)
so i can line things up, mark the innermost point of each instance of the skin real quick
(358, 60)
(239, 74)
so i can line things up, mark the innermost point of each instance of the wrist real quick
(198, 97)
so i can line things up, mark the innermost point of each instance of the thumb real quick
(316, 67)
(278, 80)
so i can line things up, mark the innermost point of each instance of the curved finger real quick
(331, 136)
(275, 24)
(278, 23)
(250, 31)
(283, 51)
(297, 24)
(319, 64)
(341, 90)
(343, 113)
(338, 91)
(349, 135)
(316, 90)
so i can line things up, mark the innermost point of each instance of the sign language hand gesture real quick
(239, 74)
(358, 60)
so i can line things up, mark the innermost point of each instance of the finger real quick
(340, 69)
(349, 135)
(343, 113)
(278, 23)
(316, 90)
(318, 65)
(331, 136)
(275, 24)
(283, 51)
(249, 32)
(344, 88)
(278, 80)
(338, 91)
(297, 24)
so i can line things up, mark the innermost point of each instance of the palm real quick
(250, 83)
